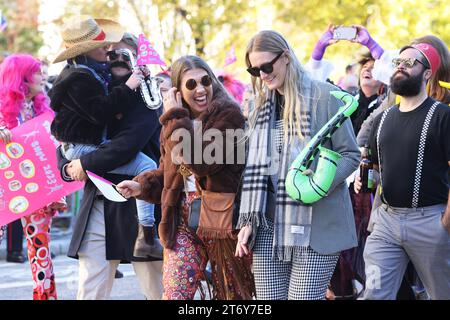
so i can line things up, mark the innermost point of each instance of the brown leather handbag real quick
(216, 214)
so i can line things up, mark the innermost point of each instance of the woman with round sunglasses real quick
(197, 104)
(295, 246)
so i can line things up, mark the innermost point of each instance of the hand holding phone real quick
(363, 37)
(344, 33)
(325, 40)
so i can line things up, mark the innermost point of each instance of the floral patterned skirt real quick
(184, 265)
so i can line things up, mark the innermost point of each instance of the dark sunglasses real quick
(113, 55)
(267, 67)
(206, 81)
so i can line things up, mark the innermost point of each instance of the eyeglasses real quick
(191, 84)
(267, 67)
(408, 62)
(113, 55)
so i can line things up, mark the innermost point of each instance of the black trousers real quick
(15, 236)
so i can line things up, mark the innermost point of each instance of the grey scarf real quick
(292, 221)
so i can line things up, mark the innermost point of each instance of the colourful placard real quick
(146, 53)
(230, 58)
(29, 175)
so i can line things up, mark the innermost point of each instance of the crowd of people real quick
(217, 211)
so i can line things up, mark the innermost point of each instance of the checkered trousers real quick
(304, 278)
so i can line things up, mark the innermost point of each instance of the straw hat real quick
(86, 34)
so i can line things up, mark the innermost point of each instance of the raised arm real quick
(325, 40)
(363, 37)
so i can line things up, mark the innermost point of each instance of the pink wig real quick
(15, 71)
(235, 87)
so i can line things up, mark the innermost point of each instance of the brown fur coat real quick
(165, 184)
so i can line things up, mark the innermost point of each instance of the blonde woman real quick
(295, 247)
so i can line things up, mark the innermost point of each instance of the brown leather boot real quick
(147, 243)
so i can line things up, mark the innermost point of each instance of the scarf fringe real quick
(286, 253)
(254, 220)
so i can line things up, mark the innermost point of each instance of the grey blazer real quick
(333, 223)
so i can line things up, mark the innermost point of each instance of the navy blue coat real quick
(137, 129)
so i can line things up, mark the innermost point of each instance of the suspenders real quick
(420, 154)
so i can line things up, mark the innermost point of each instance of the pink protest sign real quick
(146, 54)
(29, 175)
(230, 57)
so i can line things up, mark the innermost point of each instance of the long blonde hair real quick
(295, 82)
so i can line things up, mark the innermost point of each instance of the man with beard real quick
(106, 233)
(409, 142)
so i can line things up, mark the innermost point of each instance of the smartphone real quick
(344, 33)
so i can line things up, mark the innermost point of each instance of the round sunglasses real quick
(267, 67)
(205, 81)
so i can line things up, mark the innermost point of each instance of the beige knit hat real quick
(86, 34)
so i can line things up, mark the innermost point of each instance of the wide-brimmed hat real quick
(86, 34)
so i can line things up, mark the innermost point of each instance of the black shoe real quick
(147, 243)
(16, 257)
(118, 274)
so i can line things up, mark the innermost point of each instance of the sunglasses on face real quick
(267, 67)
(408, 62)
(113, 55)
(205, 81)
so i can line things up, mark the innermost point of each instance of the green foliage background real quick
(216, 25)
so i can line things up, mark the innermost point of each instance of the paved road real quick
(16, 284)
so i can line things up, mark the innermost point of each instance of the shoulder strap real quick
(383, 117)
(421, 153)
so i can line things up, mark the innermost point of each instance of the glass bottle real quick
(366, 171)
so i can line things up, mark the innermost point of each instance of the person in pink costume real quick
(21, 99)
